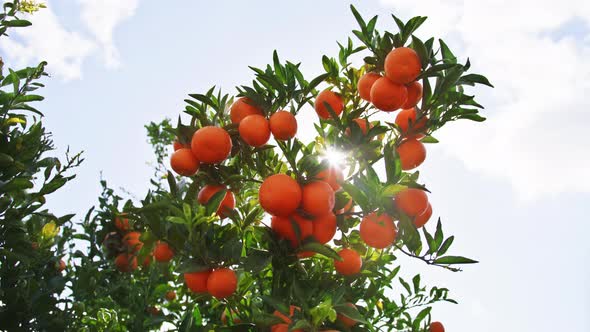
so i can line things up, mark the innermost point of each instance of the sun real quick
(334, 157)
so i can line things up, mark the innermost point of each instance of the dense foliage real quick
(31, 265)
(251, 234)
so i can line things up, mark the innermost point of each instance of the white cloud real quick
(536, 134)
(66, 50)
(102, 17)
(47, 39)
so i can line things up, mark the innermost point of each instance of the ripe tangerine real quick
(317, 198)
(411, 201)
(332, 99)
(402, 65)
(222, 283)
(184, 162)
(211, 145)
(283, 125)
(280, 195)
(387, 95)
(378, 230)
(350, 264)
(412, 153)
(228, 203)
(197, 281)
(254, 130)
(241, 108)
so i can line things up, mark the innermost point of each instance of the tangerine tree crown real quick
(345, 279)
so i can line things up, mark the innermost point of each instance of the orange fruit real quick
(211, 145)
(280, 195)
(412, 153)
(305, 254)
(423, 218)
(331, 175)
(317, 198)
(348, 207)
(222, 283)
(197, 281)
(183, 162)
(280, 328)
(282, 316)
(378, 230)
(348, 322)
(153, 311)
(170, 295)
(126, 262)
(365, 84)
(147, 261)
(332, 99)
(414, 94)
(132, 241)
(362, 123)
(283, 328)
(411, 201)
(163, 252)
(241, 108)
(324, 228)
(387, 95)
(350, 264)
(406, 121)
(122, 223)
(402, 65)
(283, 125)
(283, 227)
(228, 203)
(177, 145)
(437, 327)
(254, 130)
(61, 265)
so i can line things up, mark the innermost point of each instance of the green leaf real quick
(357, 195)
(445, 246)
(450, 260)
(392, 189)
(406, 285)
(358, 18)
(16, 184)
(276, 303)
(473, 117)
(420, 317)
(438, 236)
(191, 266)
(172, 184)
(419, 47)
(475, 78)
(446, 52)
(416, 283)
(256, 260)
(321, 249)
(429, 139)
(214, 202)
(350, 312)
(53, 185)
(17, 23)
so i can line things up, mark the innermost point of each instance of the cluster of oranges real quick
(306, 210)
(212, 145)
(219, 283)
(126, 261)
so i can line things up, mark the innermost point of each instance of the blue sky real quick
(513, 190)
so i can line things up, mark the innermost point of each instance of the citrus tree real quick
(257, 230)
(32, 266)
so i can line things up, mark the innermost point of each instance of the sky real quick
(513, 190)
